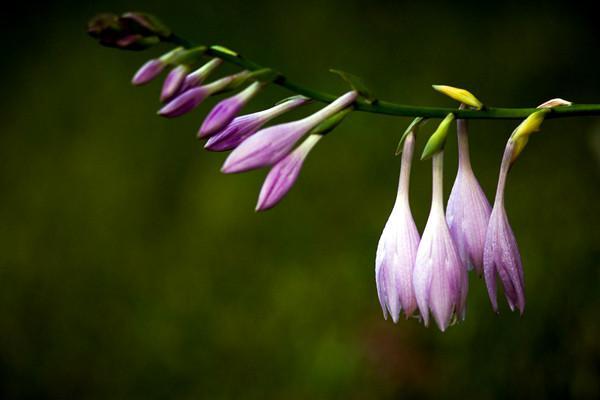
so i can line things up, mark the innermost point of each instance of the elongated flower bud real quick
(283, 175)
(147, 72)
(173, 82)
(198, 76)
(191, 98)
(247, 125)
(152, 68)
(501, 254)
(439, 278)
(397, 248)
(468, 210)
(226, 110)
(270, 145)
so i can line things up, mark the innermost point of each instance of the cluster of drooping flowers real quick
(252, 145)
(430, 274)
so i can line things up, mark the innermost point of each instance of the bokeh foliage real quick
(131, 268)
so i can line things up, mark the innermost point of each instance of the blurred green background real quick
(130, 268)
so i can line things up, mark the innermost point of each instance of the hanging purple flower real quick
(439, 278)
(468, 210)
(271, 144)
(247, 125)
(190, 99)
(283, 175)
(501, 254)
(173, 82)
(397, 248)
(226, 110)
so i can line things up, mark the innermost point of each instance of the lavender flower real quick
(439, 278)
(270, 145)
(173, 82)
(283, 175)
(247, 125)
(150, 70)
(226, 110)
(191, 98)
(195, 78)
(397, 248)
(501, 254)
(468, 210)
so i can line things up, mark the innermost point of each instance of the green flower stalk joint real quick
(414, 275)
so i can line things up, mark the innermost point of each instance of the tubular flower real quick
(283, 175)
(501, 254)
(191, 98)
(468, 210)
(173, 82)
(439, 278)
(397, 248)
(247, 125)
(226, 110)
(271, 144)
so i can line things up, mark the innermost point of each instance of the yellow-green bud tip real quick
(521, 134)
(437, 140)
(460, 95)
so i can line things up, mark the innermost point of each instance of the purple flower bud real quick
(282, 176)
(196, 78)
(150, 70)
(397, 248)
(226, 110)
(439, 278)
(247, 125)
(271, 144)
(191, 98)
(501, 254)
(173, 82)
(468, 210)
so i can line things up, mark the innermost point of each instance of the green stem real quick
(388, 108)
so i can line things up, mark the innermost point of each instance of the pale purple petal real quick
(235, 133)
(501, 253)
(150, 70)
(397, 248)
(173, 82)
(283, 175)
(265, 148)
(226, 110)
(184, 103)
(468, 210)
(190, 99)
(439, 278)
(271, 144)
(247, 125)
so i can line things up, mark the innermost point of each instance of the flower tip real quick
(557, 102)
(461, 95)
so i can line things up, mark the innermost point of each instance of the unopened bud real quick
(555, 103)
(460, 95)
(520, 135)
